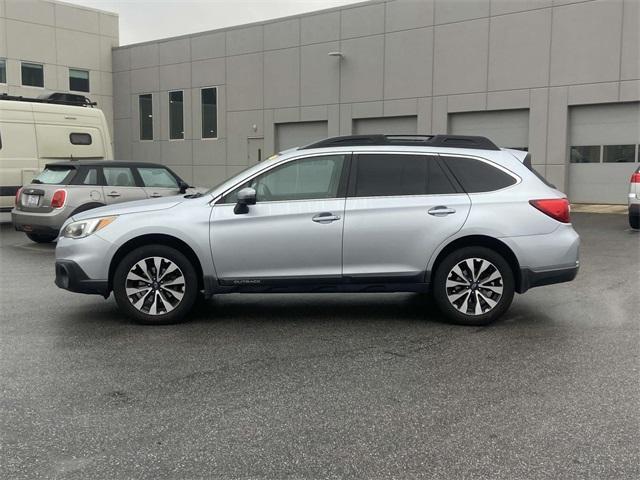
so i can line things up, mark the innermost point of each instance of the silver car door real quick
(400, 207)
(294, 231)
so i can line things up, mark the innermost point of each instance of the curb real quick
(598, 208)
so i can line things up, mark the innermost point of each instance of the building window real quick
(209, 97)
(585, 154)
(78, 80)
(145, 102)
(176, 115)
(3, 70)
(619, 153)
(604, 154)
(32, 75)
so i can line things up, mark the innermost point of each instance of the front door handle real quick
(155, 195)
(325, 217)
(113, 194)
(441, 211)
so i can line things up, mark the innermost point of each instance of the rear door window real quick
(55, 175)
(383, 175)
(477, 176)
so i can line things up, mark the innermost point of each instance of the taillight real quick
(557, 208)
(18, 193)
(635, 178)
(58, 199)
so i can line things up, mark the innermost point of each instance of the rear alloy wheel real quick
(41, 237)
(155, 285)
(474, 286)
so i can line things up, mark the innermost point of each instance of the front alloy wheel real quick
(473, 286)
(155, 285)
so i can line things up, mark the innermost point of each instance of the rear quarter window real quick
(477, 176)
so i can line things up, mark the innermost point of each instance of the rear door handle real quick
(113, 194)
(441, 211)
(325, 217)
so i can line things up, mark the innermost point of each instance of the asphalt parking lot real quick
(325, 386)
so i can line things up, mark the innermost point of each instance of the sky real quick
(144, 20)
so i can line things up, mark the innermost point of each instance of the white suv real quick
(453, 215)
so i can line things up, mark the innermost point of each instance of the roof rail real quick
(58, 98)
(450, 141)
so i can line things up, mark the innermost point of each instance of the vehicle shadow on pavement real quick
(319, 308)
(309, 309)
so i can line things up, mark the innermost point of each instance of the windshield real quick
(55, 175)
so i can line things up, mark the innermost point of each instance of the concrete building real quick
(560, 78)
(50, 46)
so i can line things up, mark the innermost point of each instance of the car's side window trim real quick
(342, 186)
(353, 180)
(102, 180)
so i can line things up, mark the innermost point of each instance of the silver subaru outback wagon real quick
(455, 216)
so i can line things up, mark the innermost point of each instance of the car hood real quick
(148, 205)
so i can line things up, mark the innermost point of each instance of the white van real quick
(34, 132)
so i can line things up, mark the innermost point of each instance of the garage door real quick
(506, 128)
(296, 134)
(603, 151)
(388, 125)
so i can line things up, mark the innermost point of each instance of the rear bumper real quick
(537, 278)
(70, 276)
(49, 222)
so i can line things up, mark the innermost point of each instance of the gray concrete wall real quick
(428, 58)
(59, 36)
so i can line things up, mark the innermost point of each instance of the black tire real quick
(634, 221)
(41, 237)
(180, 310)
(455, 315)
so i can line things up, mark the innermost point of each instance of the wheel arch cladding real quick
(156, 239)
(479, 241)
(86, 207)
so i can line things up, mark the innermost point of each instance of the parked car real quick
(35, 130)
(634, 200)
(64, 189)
(456, 216)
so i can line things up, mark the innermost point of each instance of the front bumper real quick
(70, 276)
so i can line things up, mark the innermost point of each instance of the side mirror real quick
(246, 197)
(183, 186)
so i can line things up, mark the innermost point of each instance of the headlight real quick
(84, 228)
